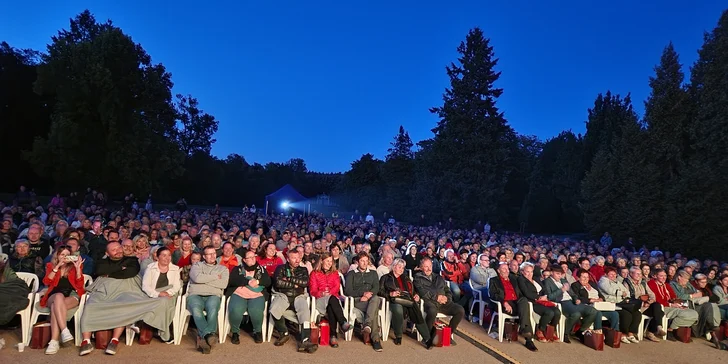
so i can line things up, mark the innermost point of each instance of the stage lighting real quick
(285, 205)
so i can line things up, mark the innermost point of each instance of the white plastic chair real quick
(184, 317)
(25, 314)
(87, 281)
(311, 302)
(439, 316)
(559, 328)
(226, 326)
(477, 298)
(646, 320)
(502, 317)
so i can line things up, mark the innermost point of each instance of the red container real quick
(324, 332)
(443, 333)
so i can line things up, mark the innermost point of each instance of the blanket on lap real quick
(120, 302)
(13, 298)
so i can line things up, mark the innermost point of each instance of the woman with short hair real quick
(247, 291)
(397, 288)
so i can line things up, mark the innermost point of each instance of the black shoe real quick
(203, 346)
(211, 340)
(715, 341)
(428, 344)
(452, 342)
(235, 339)
(397, 341)
(377, 345)
(282, 339)
(258, 337)
(566, 339)
(307, 347)
(531, 346)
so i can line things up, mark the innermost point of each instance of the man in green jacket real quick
(363, 284)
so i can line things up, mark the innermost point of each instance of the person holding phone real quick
(64, 278)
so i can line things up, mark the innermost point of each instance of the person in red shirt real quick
(325, 285)
(270, 259)
(597, 270)
(680, 315)
(506, 291)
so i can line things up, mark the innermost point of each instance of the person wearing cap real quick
(690, 267)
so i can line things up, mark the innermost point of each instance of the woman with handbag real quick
(324, 285)
(399, 290)
(630, 316)
(533, 291)
(64, 278)
(587, 292)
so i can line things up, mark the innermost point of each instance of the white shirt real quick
(369, 218)
(486, 228)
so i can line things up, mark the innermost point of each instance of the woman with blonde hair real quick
(64, 278)
(141, 246)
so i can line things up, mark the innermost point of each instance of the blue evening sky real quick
(328, 81)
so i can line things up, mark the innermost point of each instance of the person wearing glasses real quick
(207, 282)
(247, 290)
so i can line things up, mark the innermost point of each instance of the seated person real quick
(181, 256)
(363, 285)
(721, 291)
(481, 274)
(672, 307)
(533, 291)
(708, 312)
(229, 259)
(289, 295)
(325, 285)
(162, 278)
(506, 291)
(13, 292)
(23, 260)
(587, 292)
(341, 263)
(269, 259)
(455, 273)
(64, 278)
(396, 287)
(116, 300)
(630, 316)
(435, 292)
(558, 290)
(247, 291)
(74, 244)
(207, 282)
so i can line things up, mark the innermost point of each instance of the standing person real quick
(435, 292)
(325, 285)
(363, 284)
(207, 282)
(64, 278)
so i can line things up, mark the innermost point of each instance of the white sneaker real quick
(66, 336)
(633, 339)
(52, 348)
(625, 340)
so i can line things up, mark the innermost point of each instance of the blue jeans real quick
(254, 307)
(588, 315)
(723, 311)
(198, 305)
(612, 317)
(455, 289)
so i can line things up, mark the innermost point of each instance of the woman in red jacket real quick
(64, 278)
(324, 284)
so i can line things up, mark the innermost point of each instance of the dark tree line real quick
(93, 109)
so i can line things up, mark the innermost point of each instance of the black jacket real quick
(290, 281)
(528, 289)
(239, 279)
(412, 262)
(498, 292)
(388, 283)
(582, 293)
(126, 267)
(430, 287)
(358, 282)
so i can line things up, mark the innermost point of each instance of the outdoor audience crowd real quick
(307, 269)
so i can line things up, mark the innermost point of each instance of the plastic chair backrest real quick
(30, 279)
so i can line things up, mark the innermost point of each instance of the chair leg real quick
(492, 317)
(501, 326)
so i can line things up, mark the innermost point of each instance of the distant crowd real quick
(154, 269)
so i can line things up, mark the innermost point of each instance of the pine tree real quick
(469, 158)
(398, 176)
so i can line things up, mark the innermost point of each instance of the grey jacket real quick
(358, 282)
(208, 279)
(612, 291)
(480, 276)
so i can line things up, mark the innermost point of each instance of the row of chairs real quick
(534, 317)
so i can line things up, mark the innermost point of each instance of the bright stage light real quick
(285, 205)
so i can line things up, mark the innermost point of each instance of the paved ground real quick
(699, 351)
(159, 353)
